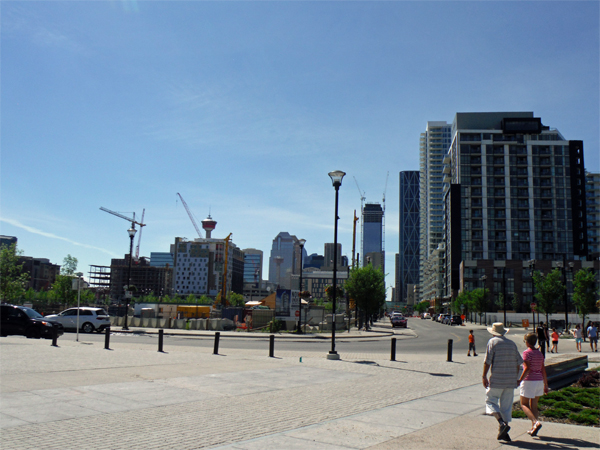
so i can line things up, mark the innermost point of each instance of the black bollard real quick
(393, 357)
(107, 338)
(271, 345)
(449, 350)
(54, 335)
(160, 340)
(216, 350)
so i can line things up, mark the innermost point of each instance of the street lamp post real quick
(301, 243)
(336, 179)
(504, 292)
(131, 232)
(531, 269)
(564, 267)
(482, 279)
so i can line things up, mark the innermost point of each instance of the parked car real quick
(90, 319)
(22, 321)
(443, 318)
(399, 321)
(426, 316)
(454, 320)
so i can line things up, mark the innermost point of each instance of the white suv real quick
(90, 319)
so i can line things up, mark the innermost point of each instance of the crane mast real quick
(137, 249)
(190, 214)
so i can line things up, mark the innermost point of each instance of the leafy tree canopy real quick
(549, 290)
(69, 265)
(585, 295)
(12, 278)
(366, 286)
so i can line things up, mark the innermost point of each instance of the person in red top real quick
(533, 382)
(554, 337)
(471, 344)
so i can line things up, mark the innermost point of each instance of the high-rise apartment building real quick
(592, 194)
(253, 264)
(407, 274)
(434, 144)
(199, 267)
(284, 260)
(515, 194)
(329, 256)
(372, 234)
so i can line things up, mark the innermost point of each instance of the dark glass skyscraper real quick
(408, 258)
(372, 233)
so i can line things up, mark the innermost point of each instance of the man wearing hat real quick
(503, 357)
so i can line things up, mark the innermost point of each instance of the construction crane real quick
(190, 214)
(362, 195)
(137, 249)
(129, 219)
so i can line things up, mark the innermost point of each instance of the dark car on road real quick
(399, 321)
(454, 320)
(19, 320)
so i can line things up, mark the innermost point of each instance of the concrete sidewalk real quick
(82, 396)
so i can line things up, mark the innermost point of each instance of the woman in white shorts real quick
(533, 382)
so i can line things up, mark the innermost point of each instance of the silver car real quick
(90, 319)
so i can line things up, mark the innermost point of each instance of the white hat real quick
(498, 329)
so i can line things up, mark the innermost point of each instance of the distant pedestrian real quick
(503, 357)
(541, 335)
(547, 337)
(533, 382)
(578, 339)
(471, 344)
(555, 338)
(592, 333)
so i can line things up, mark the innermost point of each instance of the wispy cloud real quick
(33, 230)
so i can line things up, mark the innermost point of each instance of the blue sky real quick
(244, 107)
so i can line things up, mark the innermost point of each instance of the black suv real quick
(19, 320)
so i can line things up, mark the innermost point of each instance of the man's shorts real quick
(499, 401)
(471, 346)
(594, 340)
(532, 388)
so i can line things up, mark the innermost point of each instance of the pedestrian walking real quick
(555, 338)
(547, 337)
(578, 339)
(504, 360)
(592, 333)
(533, 383)
(541, 335)
(471, 344)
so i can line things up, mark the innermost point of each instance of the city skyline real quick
(245, 107)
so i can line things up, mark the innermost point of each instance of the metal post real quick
(504, 292)
(54, 335)
(131, 236)
(107, 338)
(160, 340)
(566, 297)
(449, 350)
(216, 350)
(333, 354)
(393, 356)
(271, 345)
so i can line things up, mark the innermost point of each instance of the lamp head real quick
(336, 177)
(301, 242)
(131, 231)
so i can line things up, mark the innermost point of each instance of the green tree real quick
(585, 295)
(190, 298)
(12, 278)
(549, 290)
(62, 290)
(205, 300)
(30, 295)
(422, 307)
(366, 286)
(69, 265)
(479, 301)
(236, 300)
(463, 302)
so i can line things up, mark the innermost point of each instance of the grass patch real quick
(587, 416)
(557, 413)
(577, 404)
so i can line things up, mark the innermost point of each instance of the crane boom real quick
(129, 219)
(137, 249)
(362, 195)
(190, 214)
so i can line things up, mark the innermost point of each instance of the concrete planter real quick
(152, 323)
(179, 324)
(134, 321)
(202, 324)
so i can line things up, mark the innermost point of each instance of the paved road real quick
(422, 336)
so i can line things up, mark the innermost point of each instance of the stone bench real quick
(563, 370)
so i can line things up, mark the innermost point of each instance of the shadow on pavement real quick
(548, 442)
(373, 363)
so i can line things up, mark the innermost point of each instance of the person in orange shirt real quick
(471, 344)
(554, 341)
